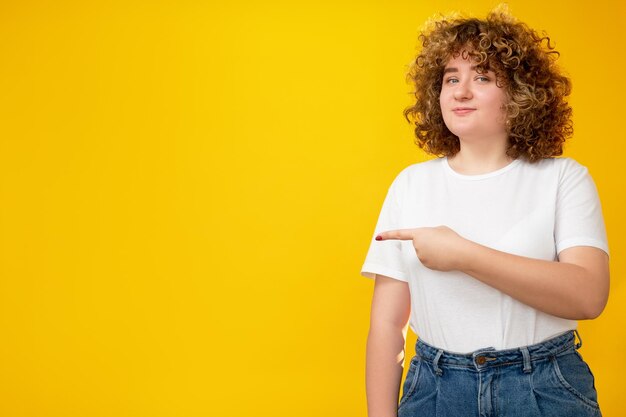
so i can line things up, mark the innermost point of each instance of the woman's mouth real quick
(463, 110)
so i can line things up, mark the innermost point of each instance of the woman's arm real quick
(391, 307)
(576, 287)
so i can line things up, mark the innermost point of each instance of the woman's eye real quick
(482, 79)
(451, 81)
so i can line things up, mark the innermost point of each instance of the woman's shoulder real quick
(564, 172)
(560, 165)
(417, 173)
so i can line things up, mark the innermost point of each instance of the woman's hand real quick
(439, 248)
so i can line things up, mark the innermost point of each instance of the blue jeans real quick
(548, 379)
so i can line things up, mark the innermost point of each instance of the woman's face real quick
(471, 103)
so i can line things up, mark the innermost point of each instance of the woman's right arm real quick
(391, 308)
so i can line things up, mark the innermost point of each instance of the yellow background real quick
(188, 190)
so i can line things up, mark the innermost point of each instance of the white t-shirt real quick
(534, 210)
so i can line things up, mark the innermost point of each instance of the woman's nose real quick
(462, 91)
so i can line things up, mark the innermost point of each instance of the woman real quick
(492, 251)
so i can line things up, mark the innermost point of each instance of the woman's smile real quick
(461, 111)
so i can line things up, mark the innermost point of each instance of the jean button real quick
(481, 360)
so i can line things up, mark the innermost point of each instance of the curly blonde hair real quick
(538, 117)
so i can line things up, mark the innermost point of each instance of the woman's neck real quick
(476, 160)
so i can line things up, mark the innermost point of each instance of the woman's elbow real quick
(593, 310)
(594, 306)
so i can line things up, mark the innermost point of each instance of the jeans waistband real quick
(490, 357)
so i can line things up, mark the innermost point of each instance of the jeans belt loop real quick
(580, 341)
(527, 367)
(438, 370)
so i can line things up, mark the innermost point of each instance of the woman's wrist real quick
(464, 252)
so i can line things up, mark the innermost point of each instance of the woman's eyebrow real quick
(454, 69)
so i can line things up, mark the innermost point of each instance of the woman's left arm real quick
(575, 287)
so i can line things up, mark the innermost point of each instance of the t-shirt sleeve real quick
(385, 257)
(579, 220)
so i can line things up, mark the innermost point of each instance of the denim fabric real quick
(548, 379)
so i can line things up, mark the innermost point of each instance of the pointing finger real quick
(402, 234)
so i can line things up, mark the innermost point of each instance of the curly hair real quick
(538, 116)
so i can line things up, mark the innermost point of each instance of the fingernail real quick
(379, 237)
